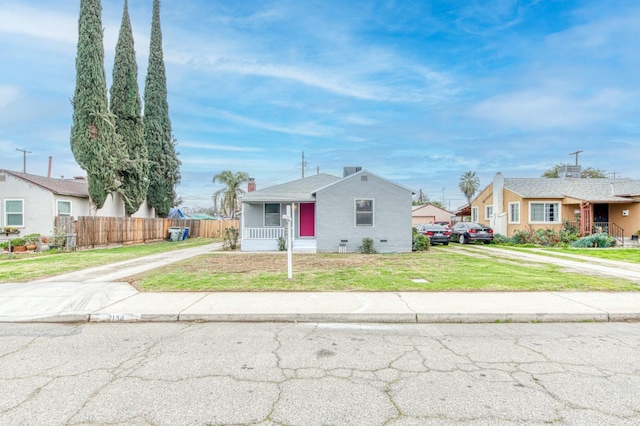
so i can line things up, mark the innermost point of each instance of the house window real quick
(514, 212)
(488, 212)
(14, 213)
(364, 212)
(544, 212)
(474, 214)
(272, 215)
(63, 208)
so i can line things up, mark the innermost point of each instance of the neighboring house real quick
(328, 212)
(31, 202)
(510, 204)
(428, 213)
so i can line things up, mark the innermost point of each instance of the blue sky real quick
(415, 91)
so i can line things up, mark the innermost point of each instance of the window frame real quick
(7, 213)
(546, 205)
(264, 215)
(488, 211)
(511, 210)
(356, 213)
(58, 208)
(474, 214)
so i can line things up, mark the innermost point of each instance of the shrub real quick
(420, 242)
(595, 240)
(367, 246)
(502, 239)
(230, 239)
(18, 242)
(282, 244)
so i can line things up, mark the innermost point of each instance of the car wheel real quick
(462, 239)
(487, 242)
(445, 244)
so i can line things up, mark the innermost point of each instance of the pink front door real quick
(307, 219)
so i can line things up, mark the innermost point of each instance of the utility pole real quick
(443, 196)
(24, 159)
(303, 164)
(576, 154)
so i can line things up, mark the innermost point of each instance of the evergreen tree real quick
(94, 142)
(164, 172)
(125, 105)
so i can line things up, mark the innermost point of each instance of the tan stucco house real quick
(428, 213)
(608, 205)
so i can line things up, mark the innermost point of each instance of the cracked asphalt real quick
(320, 374)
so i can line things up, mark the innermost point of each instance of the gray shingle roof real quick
(596, 190)
(70, 187)
(297, 190)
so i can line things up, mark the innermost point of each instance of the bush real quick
(18, 242)
(230, 239)
(502, 239)
(595, 240)
(367, 246)
(420, 242)
(282, 244)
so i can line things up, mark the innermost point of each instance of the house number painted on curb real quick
(115, 317)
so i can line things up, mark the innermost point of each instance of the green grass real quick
(31, 266)
(614, 253)
(444, 269)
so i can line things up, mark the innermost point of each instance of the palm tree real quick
(228, 195)
(469, 184)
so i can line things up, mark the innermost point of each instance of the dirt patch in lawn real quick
(269, 262)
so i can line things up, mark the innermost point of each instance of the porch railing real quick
(610, 228)
(262, 233)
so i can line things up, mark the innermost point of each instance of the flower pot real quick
(31, 246)
(19, 249)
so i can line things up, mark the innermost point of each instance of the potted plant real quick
(31, 241)
(4, 246)
(18, 245)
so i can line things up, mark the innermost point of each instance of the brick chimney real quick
(251, 186)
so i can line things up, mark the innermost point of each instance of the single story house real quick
(329, 214)
(511, 204)
(428, 213)
(31, 202)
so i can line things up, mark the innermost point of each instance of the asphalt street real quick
(319, 374)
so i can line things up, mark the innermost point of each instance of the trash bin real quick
(185, 232)
(175, 233)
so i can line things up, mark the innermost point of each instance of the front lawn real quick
(611, 253)
(32, 266)
(439, 269)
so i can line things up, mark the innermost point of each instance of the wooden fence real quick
(91, 231)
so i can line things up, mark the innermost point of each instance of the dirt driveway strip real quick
(582, 264)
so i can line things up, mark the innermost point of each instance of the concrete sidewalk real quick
(95, 295)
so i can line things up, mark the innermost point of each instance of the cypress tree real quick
(164, 172)
(126, 106)
(94, 142)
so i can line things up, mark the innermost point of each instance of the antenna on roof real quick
(576, 154)
(24, 160)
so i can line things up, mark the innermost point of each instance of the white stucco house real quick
(30, 203)
(330, 213)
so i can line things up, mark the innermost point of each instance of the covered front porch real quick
(263, 228)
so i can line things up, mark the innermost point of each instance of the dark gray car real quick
(436, 233)
(465, 232)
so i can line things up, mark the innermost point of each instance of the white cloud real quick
(8, 95)
(216, 147)
(17, 19)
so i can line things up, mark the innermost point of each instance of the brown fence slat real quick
(93, 231)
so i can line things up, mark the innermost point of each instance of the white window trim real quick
(474, 214)
(6, 214)
(264, 216)
(486, 211)
(516, 203)
(355, 213)
(558, 219)
(70, 208)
